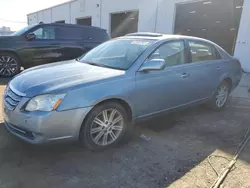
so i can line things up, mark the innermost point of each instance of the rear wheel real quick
(220, 97)
(9, 65)
(106, 126)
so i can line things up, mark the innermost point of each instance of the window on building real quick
(84, 21)
(46, 33)
(60, 21)
(124, 23)
(202, 51)
(172, 52)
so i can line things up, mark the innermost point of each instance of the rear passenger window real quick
(83, 33)
(172, 52)
(202, 51)
(65, 32)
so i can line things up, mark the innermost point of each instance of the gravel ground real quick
(173, 154)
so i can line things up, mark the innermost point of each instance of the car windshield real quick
(22, 31)
(117, 54)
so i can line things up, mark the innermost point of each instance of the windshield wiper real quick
(96, 64)
(101, 65)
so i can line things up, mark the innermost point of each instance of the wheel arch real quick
(118, 100)
(227, 77)
(12, 52)
(229, 82)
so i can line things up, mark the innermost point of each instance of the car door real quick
(45, 48)
(205, 67)
(160, 90)
(72, 45)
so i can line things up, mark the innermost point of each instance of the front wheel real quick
(9, 65)
(105, 126)
(220, 97)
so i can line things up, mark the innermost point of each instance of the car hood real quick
(58, 77)
(8, 37)
(5, 36)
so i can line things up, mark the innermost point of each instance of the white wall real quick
(61, 12)
(86, 8)
(99, 11)
(154, 15)
(242, 49)
(32, 18)
(165, 16)
(47, 16)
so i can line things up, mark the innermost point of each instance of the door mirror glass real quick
(154, 64)
(30, 36)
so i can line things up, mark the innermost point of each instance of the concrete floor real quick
(174, 154)
(243, 90)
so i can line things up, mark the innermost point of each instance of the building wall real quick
(61, 12)
(242, 48)
(86, 8)
(154, 16)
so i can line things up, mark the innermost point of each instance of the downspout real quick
(156, 14)
(70, 12)
(51, 15)
(100, 13)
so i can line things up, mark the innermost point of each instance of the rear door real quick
(92, 37)
(77, 40)
(71, 42)
(205, 66)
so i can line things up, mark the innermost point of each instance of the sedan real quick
(96, 98)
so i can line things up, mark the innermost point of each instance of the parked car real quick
(97, 98)
(45, 43)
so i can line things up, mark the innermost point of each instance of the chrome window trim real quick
(16, 91)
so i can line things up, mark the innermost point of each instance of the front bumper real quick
(44, 127)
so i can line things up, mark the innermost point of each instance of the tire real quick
(214, 103)
(9, 65)
(89, 136)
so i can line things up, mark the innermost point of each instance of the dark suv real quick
(45, 43)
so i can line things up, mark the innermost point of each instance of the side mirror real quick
(30, 36)
(154, 64)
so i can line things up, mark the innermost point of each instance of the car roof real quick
(160, 36)
(71, 25)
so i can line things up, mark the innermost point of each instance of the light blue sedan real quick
(97, 98)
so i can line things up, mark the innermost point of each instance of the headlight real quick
(45, 103)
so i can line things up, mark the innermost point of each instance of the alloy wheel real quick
(8, 66)
(222, 95)
(106, 127)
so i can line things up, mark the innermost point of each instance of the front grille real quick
(11, 98)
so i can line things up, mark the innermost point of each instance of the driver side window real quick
(173, 53)
(45, 33)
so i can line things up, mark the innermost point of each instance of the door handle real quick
(218, 68)
(184, 75)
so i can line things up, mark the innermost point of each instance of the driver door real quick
(160, 90)
(45, 48)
